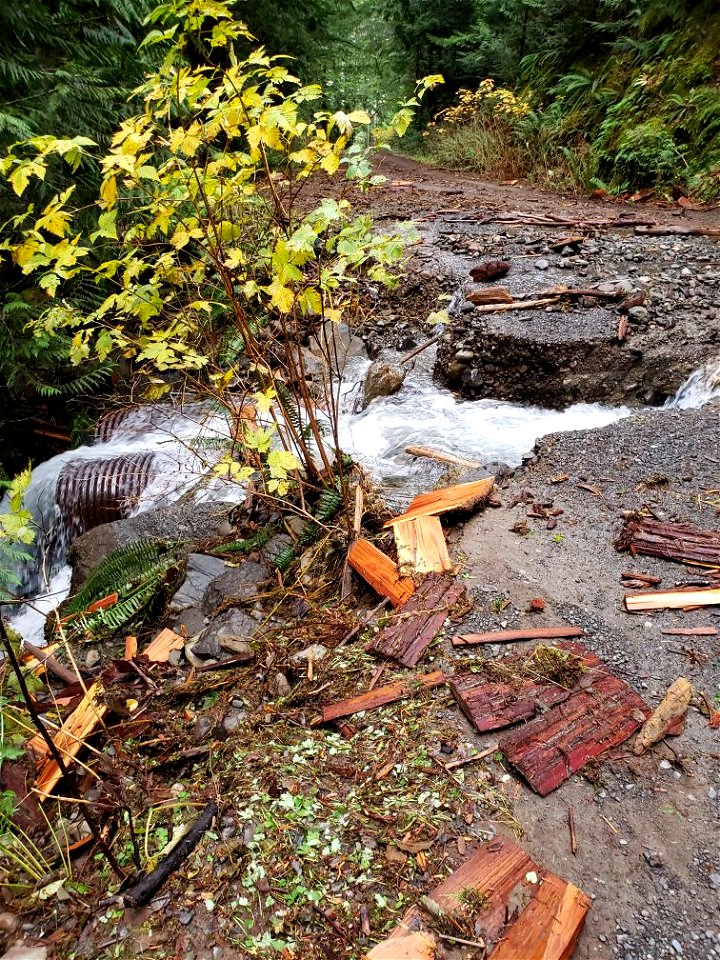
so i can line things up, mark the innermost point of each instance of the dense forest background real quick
(617, 95)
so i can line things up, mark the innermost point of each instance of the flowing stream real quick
(171, 449)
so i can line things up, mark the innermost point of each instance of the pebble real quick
(542, 264)
(675, 944)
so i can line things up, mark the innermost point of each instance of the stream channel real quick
(166, 453)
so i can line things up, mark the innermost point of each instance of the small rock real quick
(638, 313)
(202, 729)
(653, 858)
(685, 272)
(281, 685)
(231, 630)
(316, 652)
(675, 944)
(232, 720)
(542, 264)
(185, 916)
(201, 570)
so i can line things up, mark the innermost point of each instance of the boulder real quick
(236, 583)
(201, 571)
(382, 380)
(230, 631)
(337, 344)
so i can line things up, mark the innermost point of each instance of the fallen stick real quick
(676, 230)
(464, 761)
(382, 696)
(672, 600)
(364, 622)
(690, 632)
(645, 577)
(571, 828)
(143, 891)
(508, 636)
(442, 457)
(417, 350)
(47, 660)
(516, 305)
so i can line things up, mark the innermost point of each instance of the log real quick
(509, 636)
(407, 637)
(670, 541)
(673, 599)
(550, 748)
(465, 496)
(666, 715)
(442, 457)
(380, 572)
(421, 546)
(381, 696)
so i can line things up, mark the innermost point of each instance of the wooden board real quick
(421, 546)
(410, 633)
(524, 920)
(491, 705)
(671, 541)
(550, 748)
(672, 599)
(69, 739)
(88, 714)
(160, 648)
(382, 695)
(508, 636)
(549, 927)
(465, 495)
(380, 572)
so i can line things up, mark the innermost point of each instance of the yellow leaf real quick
(281, 297)
(108, 192)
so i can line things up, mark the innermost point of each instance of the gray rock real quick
(232, 720)
(542, 264)
(281, 685)
(236, 583)
(231, 630)
(202, 729)
(336, 344)
(638, 313)
(185, 521)
(316, 652)
(382, 380)
(193, 620)
(201, 571)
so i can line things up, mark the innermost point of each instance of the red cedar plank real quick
(548, 749)
(546, 929)
(382, 695)
(490, 705)
(690, 632)
(549, 927)
(406, 638)
(494, 871)
(448, 498)
(380, 572)
(506, 636)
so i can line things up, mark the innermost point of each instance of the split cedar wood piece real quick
(672, 599)
(507, 636)
(382, 695)
(490, 295)
(410, 633)
(86, 717)
(670, 541)
(501, 874)
(550, 748)
(491, 704)
(466, 496)
(380, 572)
(666, 716)
(421, 546)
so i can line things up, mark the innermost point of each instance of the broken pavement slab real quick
(500, 897)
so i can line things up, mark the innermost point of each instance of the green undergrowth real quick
(644, 112)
